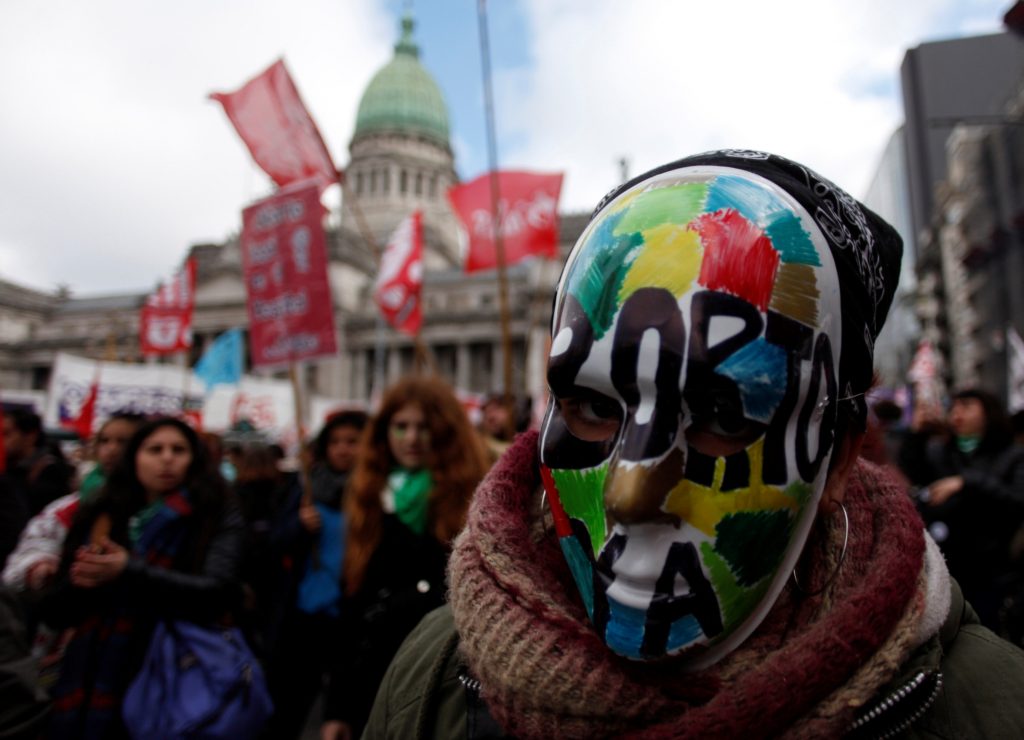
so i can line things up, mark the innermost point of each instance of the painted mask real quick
(695, 347)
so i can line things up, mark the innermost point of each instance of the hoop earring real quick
(835, 571)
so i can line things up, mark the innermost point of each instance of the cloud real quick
(653, 81)
(115, 161)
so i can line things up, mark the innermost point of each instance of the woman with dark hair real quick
(971, 495)
(160, 541)
(419, 463)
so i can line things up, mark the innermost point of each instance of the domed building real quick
(400, 160)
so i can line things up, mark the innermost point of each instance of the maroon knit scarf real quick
(544, 672)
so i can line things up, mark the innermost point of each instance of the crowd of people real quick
(712, 532)
(325, 574)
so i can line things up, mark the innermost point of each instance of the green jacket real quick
(963, 683)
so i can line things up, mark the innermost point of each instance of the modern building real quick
(964, 153)
(400, 159)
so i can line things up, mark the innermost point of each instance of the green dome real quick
(403, 97)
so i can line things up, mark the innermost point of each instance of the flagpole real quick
(300, 426)
(499, 243)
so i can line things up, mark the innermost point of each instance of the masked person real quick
(691, 547)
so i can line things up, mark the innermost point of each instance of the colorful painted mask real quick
(695, 347)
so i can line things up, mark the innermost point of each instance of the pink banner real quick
(165, 321)
(400, 279)
(527, 212)
(284, 262)
(278, 130)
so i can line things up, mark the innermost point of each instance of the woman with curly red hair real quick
(420, 460)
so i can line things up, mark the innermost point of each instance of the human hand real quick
(309, 518)
(98, 564)
(943, 489)
(335, 730)
(41, 574)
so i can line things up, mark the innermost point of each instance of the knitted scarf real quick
(814, 660)
(96, 666)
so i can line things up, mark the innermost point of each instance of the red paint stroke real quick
(562, 526)
(738, 257)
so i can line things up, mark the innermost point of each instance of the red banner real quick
(165, 322)
(284, 263)
(275, 125)
(400, 280)
(527, 212)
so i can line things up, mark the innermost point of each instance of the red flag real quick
(284, 264)
(82, 425)
(527, 212)
(400, 280)
(275, 125)
(165, 323)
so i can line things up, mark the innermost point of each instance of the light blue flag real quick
(221, 363)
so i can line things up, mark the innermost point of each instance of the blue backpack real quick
(197, 682)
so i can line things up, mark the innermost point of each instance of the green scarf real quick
(91, 483)
(141, 518)
(968, 443)
(411, 490)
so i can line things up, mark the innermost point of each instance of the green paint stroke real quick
(675, 204)
(799, 492)
(582, 495)
(752, 542)
(736, 601)
(598, 273)
(792, 242)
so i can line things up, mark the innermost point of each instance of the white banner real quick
(264, 404)
(123, 387)
(1015, 372)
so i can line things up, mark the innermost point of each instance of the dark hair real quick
(123, 495)
(26, 422)
(351, 418)
(998, 432)
(258, 463)
(131, 417)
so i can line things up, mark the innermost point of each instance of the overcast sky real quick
(112, 160)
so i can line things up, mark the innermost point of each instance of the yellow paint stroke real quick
(670, 259)
(704, 506)
(796, 293)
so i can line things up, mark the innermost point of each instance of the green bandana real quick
(138, 522)
(411, 489)
(92, 482)
(968, 443)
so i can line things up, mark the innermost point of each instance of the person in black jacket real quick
(161, 541)
(971, 494)
(37, 469)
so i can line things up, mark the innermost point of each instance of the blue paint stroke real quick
(600, 267)
(683, 632)
(759, 370)
(792, 241)
(765, 209)
(582, 570)
(625, 632)
(751, 200)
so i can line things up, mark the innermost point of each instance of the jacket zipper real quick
(923, 688)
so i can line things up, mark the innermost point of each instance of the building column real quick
(462, 360)
(394, 371)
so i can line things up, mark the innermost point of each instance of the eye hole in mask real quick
(591, 416)
(719, 427)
